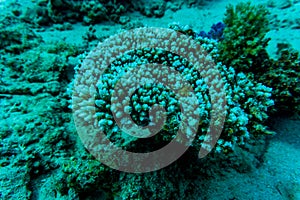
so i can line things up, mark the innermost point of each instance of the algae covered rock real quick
(15, 36)
(283, 75)
(151, 8)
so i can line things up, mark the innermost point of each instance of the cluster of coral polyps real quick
(246, 102)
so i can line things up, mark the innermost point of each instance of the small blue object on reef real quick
(216, 32)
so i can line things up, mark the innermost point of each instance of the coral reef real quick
(216, 32)
(247, 108)
(150, 8)
(35, 123)
(60, 11)
(16, 36)
(283, 75)
(45, 12)
(41, 155)
(247, 101)
(245, 39)
(244, 48)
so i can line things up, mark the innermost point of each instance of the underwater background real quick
(255, 46)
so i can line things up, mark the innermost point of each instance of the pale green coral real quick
(244, 37)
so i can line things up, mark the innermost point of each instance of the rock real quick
(124, 20)
(279, 4)
(285, 4)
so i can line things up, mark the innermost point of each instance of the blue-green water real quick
(162, 81)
